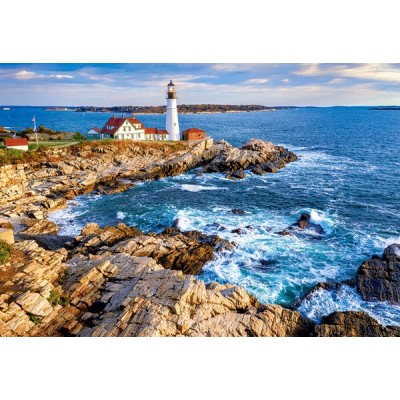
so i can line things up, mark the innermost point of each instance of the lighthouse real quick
(171, 122)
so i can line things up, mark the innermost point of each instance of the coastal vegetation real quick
(5, 251)
(43, 153)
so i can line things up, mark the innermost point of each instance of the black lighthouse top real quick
(171, 93)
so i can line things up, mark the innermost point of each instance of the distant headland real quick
(183, 108)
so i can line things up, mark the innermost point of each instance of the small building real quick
(16, 143)
(124, 128)
(156, 134)
(93, 131)
(193, 134)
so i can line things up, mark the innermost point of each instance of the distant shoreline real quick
(182, 108)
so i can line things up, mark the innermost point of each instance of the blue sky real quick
(144, 84)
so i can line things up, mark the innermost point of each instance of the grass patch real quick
(56, 298)
(36, 320)
(5, 251)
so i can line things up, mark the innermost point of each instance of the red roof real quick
(162, 132)
(150, 131)
(96, 129)
(116, 123)
(16, 142)
(193, 130)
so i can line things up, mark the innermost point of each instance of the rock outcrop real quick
(118, 294)
(257, 155)
(173, 249)
(354, 324)
(378, 279)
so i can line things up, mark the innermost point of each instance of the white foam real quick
(199, 188)
(324, 302)
(121, 215)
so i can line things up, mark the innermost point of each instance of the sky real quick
(145, 84)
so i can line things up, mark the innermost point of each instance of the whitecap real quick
(199, 188)
(346, 298)
(121, 215)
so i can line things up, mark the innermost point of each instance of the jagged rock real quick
(379, 279)
(238, 174)
(177, 252)
(159, 302)
(258, 155)
(238, 211)
(268, 167)
(91, 229)
(39, 227)
(258, 170)
(353, 324)
(285, 232)
(303, 221)
(34, 304)
(113, 187)
(93, 237)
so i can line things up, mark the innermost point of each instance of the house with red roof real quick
(132, 129)
(16, 143)
(124, 128)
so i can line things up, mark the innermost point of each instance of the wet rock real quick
(238, 231)
(113, 187)
(235, 175)
(258, 170)
(238, 211)
(354, 324)
(268, 167)
(379, 279)
(304, 221)
(285, 232)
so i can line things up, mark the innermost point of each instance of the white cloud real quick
(59, 76)
(33, 75)
(371, 72)
(27, 75)
(256, 81)
(285, 80)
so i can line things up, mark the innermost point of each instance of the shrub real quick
(36, 320)
(78, 136)
(56, 299)
(5, 251)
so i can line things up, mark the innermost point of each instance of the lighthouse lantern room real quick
(171, 122)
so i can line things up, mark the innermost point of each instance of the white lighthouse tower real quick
(171, 122)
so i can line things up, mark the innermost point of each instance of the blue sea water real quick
(346, 177)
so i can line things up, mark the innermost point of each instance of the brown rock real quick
(379, 279)
(39, 227)
(355, 324)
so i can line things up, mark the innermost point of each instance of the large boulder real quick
(378, 279)
(353, 323)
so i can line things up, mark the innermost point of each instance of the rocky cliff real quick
(118, 281)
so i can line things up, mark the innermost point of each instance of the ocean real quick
(346, 177)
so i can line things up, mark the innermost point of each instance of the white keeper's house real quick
(131, 128)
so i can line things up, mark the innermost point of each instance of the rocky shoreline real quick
(119, 281)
